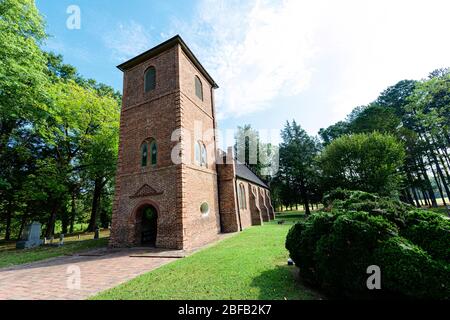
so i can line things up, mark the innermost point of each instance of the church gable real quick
(145, 191)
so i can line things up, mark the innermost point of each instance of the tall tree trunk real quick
(425, 197)
(409, 198)
(428, 183)
(416, 198)
(22, 226)
(104, 221)
(305, 197)
(438, 168)
(95, 203)
(50, 230)
(438, 158)
(72, 212)
(64, 221)
(8, 221)
(438, 183)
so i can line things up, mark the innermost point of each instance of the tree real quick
(81, 134)
(333, 132)
(367, 162)
(22, 93)
(297, 153)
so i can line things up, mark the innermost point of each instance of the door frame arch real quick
(135, 220)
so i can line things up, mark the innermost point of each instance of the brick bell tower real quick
(166, 183)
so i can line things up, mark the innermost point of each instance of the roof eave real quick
(161, 48)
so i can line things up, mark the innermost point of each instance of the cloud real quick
(127, 40)
(338, 54)
(257, 51)
(376, 44)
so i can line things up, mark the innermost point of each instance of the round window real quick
(204, 208)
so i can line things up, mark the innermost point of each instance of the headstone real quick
(30, 237)
(290, 262)
(97, 233)
(61, 239)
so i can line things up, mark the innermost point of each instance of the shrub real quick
(301, 241)
(334, 249)
(432, 236)
(410, 271)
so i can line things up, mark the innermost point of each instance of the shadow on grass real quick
(282, 283)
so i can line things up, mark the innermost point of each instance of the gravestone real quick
(97, 233)
(30, 237)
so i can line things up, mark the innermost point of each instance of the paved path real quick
(56, 279)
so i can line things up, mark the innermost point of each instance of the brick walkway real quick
(55, 279)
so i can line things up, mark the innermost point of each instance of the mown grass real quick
(441, 210)
(249, 265)
(9, 256)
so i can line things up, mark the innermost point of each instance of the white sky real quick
(326, 56)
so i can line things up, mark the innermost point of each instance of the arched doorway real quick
(147, 225)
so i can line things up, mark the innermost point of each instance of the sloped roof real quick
(163, 47)
(243, 172)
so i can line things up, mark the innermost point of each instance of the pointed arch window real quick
(242, 199)
(149, 152)
(153, 153)
(198, 88)
(144, 154)
(150, 79)
(204, 155)
(200, 154)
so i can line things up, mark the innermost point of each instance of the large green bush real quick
(411, 246)
(410, 271)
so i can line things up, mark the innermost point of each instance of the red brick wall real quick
(227, 195)
(200, 182)
(246, 216)
(180, 188)
(254, 206)
(172, 106)
(143, 116)
(262, 204)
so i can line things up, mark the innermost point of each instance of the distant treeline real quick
(397, 145)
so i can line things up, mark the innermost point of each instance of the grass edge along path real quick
(249, 265)
(9, 258)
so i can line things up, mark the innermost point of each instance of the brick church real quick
(174, 188)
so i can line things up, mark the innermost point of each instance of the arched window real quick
(242, 200)
(150, 79)
(204, 156)
(153, 153)
(198, 88)
(144, 154)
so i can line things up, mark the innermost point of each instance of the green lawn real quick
(441, 210)
(249, 265)
(9, 256)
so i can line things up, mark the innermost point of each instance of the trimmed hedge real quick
(333, 249)
(409, 270)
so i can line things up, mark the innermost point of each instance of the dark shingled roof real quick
(243, 172)
(163, 47)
